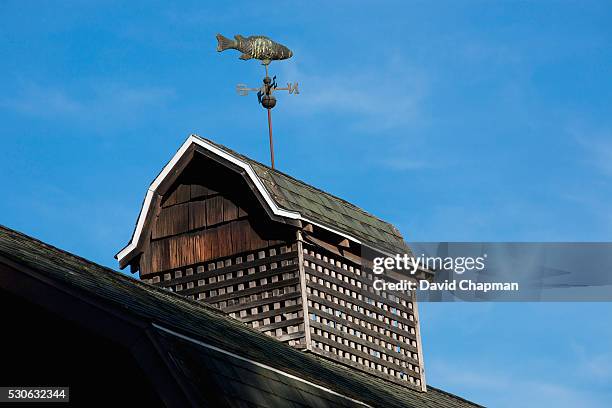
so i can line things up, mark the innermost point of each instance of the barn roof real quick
(290, 198)
(247, 367)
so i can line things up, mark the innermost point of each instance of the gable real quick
(208, 212)
(284, 198)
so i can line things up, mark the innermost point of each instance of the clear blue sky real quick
(468, 121)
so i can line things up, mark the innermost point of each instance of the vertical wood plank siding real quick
(196, 224)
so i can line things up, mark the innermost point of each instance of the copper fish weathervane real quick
(264, 49)
(255, 46)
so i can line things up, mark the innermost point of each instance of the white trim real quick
(258, 364)
(245, 166)
(125, 251)
(149, 196)
(193, 139)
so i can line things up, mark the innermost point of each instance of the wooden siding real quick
(196, 223)
(260, 288)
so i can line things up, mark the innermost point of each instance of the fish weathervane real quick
(256, 46)
(264, 49)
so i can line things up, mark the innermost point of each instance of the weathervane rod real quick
(270, 124)
(270, 132)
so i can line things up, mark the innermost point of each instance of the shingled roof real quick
(334, 212)
(248, 368)
(297, 199)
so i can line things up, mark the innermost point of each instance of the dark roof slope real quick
(324, 208)
(179, 319)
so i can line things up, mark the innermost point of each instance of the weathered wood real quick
(145, 261)
(368, 344)
(361, 367)
(218, 241)
(199, 191)
(171, 221)
(202, 245)
(272, 313)
(183, 193)
(214, 210)
(361, 278)
(230, 211)
(419, 344)
(283, 323)
(364, 305)
(240, 236)
(300, 250)
(235, 281)
(250, 291)
(241, 266)
(332, 298)
(160, 255)
(224, 241)
(181, 251)
(169, 199)
(355, 314)
(260, 302)
(197, 215)
(255, 240)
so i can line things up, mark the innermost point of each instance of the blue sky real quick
(476, 121)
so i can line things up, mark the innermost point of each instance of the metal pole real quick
(271, 143)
